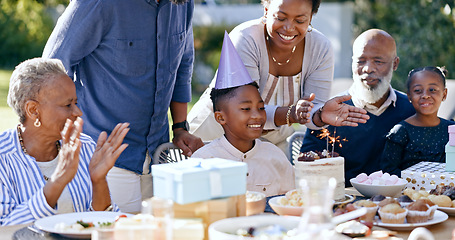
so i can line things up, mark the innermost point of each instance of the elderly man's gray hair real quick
(27, 80)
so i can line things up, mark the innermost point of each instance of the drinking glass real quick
(103, 234)
(316, 221)
(163, 214)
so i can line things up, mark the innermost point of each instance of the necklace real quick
(21, 141)
(274, 60)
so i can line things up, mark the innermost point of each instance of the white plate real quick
(297, 210)
(438, 218)
(48, 223)
(285, 209)
(449, 210)
(226, 228)
(348, 198)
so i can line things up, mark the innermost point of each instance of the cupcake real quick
(404, 200)
(430, 204)
(387, 201)
(371, 209)
(392, 213)
(418, 212)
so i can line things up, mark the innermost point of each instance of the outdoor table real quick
(20, 232)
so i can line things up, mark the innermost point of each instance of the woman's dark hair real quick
(219, 95)
(314, 3)
(441, 71)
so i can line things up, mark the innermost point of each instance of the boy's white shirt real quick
(269, 170)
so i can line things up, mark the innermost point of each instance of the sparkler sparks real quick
(332, 140)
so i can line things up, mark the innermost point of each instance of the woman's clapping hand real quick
(108, 149)
(68, 158)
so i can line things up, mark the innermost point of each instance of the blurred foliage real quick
(24, 29)
(208, 41)
(227, 1)
(423, 29)
(207, 44)
(248, 1)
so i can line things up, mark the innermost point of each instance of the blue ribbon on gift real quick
(216, 187)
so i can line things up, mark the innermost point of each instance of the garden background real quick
(424, 31)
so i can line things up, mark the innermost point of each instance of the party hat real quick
(231, 71)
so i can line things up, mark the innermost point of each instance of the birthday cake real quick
(322, 164)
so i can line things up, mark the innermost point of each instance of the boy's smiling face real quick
(242, 117)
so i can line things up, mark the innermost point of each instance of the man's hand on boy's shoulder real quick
(186, 141)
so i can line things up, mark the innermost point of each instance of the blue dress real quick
(407, 145)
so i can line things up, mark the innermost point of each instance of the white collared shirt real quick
(269, 170)
(370, 107)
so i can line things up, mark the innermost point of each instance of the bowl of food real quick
(283, 206)
(253, 227)
(386, 188)
(255, 203)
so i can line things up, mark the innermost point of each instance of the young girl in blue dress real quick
(423, 136)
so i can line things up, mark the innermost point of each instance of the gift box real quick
(450, 158)
(188, 229)
(427, 175)
(195, 179)
(143, 227)
(212, 210)
(452, 135)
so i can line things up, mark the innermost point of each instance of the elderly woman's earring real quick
(37, 123)
(310, 28)
(263, 19)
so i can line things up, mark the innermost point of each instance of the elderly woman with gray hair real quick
(47, 165)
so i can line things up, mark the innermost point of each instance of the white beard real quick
(371, 95)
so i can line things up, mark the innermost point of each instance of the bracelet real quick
(320, 115)
(108, 209)
(288, 115)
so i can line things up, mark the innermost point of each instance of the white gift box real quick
(427, 175)
(195, 179)
(450, 158)
(451, 135)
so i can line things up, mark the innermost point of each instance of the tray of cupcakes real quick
(442, 195)
(402, 213)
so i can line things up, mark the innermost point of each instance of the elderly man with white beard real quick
(373, 62)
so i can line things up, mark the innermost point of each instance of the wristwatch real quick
(183, 125)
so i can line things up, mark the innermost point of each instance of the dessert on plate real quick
(392, 213)
(418, 212)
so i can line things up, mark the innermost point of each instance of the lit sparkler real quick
(331, 139)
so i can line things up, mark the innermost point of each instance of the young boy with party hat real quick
(239, 109)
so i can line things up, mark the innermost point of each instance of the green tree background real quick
(24, 28)
(424, 31)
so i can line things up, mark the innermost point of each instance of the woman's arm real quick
(13, 212)
(68, 162)
(317, 69)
